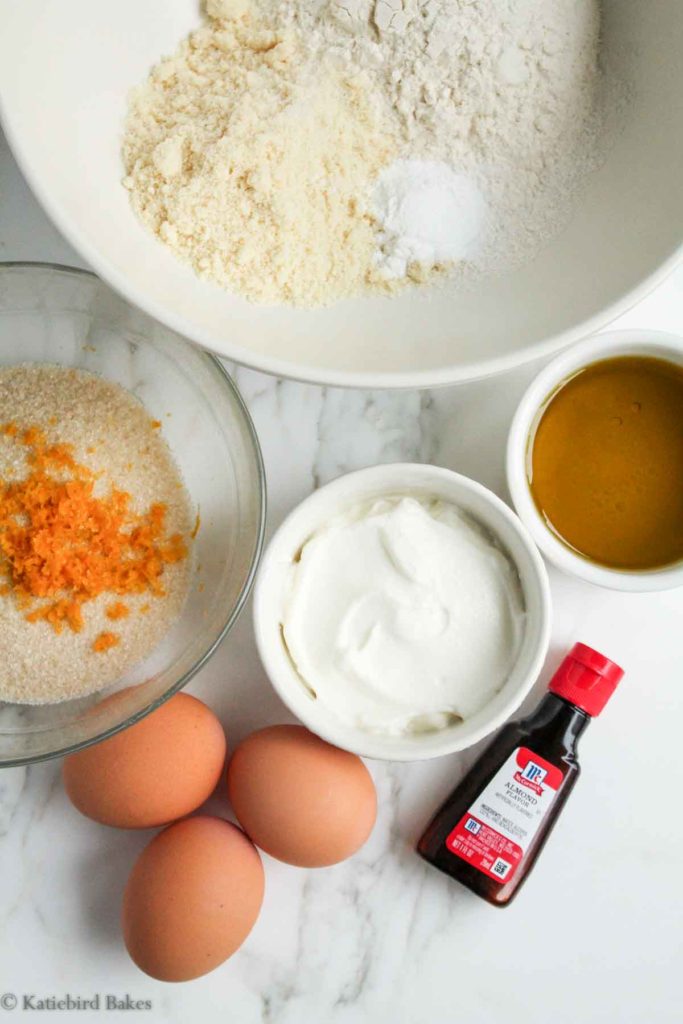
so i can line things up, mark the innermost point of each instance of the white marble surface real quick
(596, 935)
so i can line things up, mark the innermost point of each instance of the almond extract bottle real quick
(493, 826)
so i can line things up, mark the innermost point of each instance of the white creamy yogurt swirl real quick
(403, 615)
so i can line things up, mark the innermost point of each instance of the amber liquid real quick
(606, 468)
(552, 731)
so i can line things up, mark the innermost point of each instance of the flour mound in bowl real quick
(65, 436)
(255, 150)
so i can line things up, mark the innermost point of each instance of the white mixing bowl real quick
(66, 69)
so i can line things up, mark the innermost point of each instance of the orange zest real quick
(58, 614)
(104, 642)
(118, 610)
(63, 545)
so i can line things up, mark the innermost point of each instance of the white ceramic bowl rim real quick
(600, 346)
(395, 479)
(432, 378)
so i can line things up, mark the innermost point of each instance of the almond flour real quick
(252, 164)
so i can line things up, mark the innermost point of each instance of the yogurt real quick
(402, 616)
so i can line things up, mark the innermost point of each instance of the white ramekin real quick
(601, 346)
(393, 480)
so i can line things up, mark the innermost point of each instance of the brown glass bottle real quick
(490, 831)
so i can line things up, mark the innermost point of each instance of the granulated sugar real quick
(112, 435)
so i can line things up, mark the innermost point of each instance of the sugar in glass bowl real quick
(59, 315)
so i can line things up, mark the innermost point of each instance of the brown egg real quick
(299, 798)
(158, 770)
(192, 898)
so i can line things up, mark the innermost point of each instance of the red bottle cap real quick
(586, 678)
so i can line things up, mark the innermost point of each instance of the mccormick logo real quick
(532, 776)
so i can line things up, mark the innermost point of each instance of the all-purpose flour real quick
(504, 91)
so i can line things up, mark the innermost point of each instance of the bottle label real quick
(500, 826)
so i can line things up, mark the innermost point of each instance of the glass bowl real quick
(69, 317)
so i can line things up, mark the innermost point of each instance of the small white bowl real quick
(601, 346)
(393, 480)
